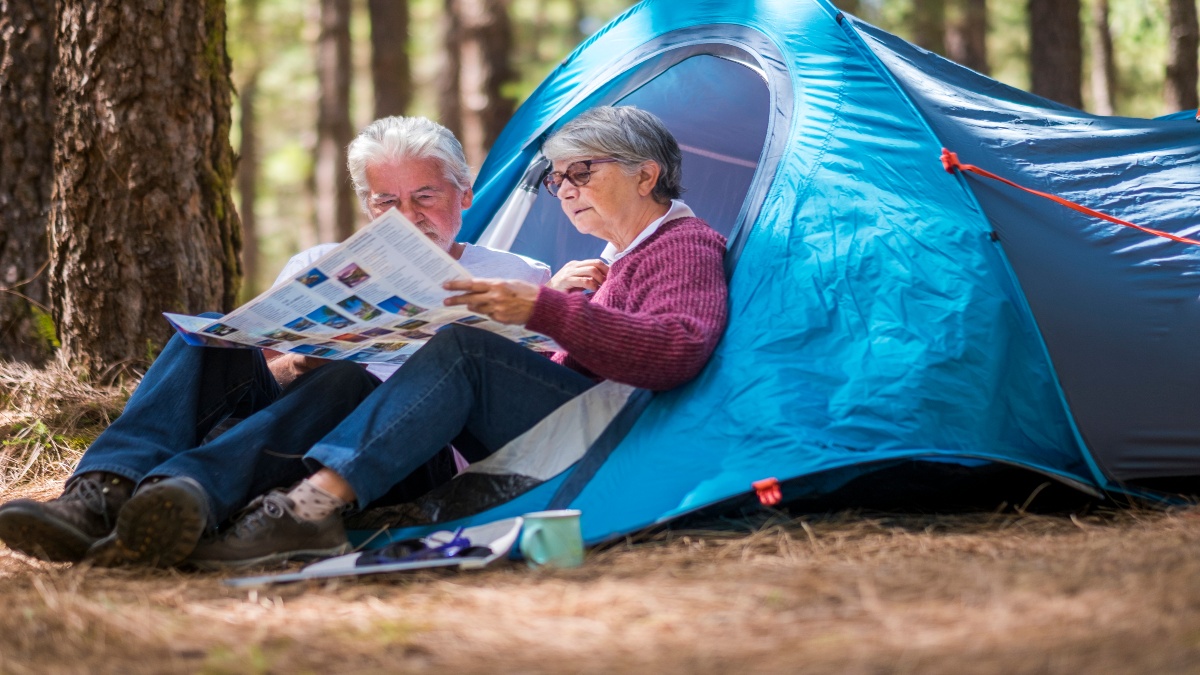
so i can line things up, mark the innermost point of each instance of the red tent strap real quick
(950, 162)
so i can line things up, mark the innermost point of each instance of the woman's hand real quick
(584, 274)
(505, 301)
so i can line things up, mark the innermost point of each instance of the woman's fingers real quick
(585, 274)
(500, 300)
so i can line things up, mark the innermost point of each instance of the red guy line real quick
(950, 163)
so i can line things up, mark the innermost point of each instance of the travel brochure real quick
(376, 298)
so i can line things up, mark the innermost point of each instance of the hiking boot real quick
(269, 531)
(62, 529)
(159, 526)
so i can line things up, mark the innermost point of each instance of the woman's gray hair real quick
(627, 134)
(395, 139)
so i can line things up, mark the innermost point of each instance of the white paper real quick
(376, 298)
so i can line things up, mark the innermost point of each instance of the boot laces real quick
(91, 494)
(260, 512)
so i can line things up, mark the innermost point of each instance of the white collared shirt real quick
(678, 209)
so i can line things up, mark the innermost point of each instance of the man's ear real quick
(648, 177)
(467, 197)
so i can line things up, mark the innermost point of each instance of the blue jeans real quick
(466, 386)
(189, 390)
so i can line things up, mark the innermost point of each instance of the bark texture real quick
(1056, 51)
(966, 36)
(335, 194)
(1180, 86)
(26, 175)
(1104, 65)
(142, 220)
(391, 69)
(928, 23)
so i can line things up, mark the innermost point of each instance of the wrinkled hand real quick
(286, 367)
(585, 274)
(505, 301)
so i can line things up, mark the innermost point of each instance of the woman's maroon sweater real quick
(657, 317)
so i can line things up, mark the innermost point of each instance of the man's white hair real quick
(395, 139)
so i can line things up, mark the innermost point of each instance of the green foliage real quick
(39, 436)
(43, 323)
(152, 351)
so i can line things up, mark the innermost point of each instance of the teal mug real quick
(552, 538)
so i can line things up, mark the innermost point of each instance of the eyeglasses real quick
(577, 174)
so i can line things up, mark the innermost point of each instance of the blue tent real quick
(882, 309)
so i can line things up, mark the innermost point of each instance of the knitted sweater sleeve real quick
(661, 329)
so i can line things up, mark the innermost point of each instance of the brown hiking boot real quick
(269, 531)
(62, 529)
(158, 527)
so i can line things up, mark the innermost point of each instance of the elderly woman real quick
(656, 314)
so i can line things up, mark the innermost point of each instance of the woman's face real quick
(609, 203)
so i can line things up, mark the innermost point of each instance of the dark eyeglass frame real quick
(577, 177)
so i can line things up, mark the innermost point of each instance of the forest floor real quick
(1096, 590)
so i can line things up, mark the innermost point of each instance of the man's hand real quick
(585, 274)
(505, 301)
(286, 367)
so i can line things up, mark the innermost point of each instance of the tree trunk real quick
(966, 37)
(142, 220)
(391, 70)
(485, 68)
(27, 57)
(248, 159)
(1183, 46)
(449, 103)
(247, 182)
(929, 25)
(1104, 66)
(335, 194)
(1056, 51)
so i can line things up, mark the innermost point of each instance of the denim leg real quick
(464, 379)
(185, 393)
(266, 450)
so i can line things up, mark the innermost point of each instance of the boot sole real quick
(305, 555)
(161, 524)
(27, 528)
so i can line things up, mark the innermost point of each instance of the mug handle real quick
(538, 555)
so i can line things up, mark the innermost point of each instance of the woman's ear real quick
(647, 176)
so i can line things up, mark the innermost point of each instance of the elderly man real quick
(162, 474)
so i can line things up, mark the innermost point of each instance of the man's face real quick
(420, 190)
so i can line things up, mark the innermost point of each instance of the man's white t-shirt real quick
(483, 262)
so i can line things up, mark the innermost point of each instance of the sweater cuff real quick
(549, 311)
